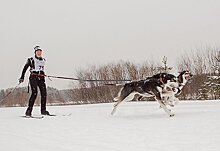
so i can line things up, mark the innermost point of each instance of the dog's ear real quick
(163, 78)
(162, 75)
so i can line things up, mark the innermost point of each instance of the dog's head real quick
(184, 76)
(166, 77)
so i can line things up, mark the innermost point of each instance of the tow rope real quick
(78, 79)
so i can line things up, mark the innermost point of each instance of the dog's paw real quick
(116, 99)
(113, 112)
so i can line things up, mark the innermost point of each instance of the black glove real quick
(21, 80)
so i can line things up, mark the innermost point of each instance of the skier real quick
(36, 79)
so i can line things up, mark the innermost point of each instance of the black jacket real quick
(30, 63)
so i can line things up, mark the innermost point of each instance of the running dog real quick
(163, 87)
(170, 92)
(150, 87)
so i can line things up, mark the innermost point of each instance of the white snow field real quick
(136, 126)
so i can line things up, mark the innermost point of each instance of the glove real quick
(21, 80)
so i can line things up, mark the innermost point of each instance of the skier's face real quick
(39, 53)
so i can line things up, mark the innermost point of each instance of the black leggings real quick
(36, 81)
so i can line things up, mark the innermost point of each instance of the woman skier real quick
(37, 79)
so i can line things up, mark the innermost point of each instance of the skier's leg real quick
(33, 84)
(43, 91)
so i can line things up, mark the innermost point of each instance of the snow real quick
(136, 126)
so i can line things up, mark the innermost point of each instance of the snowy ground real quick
(138, 126)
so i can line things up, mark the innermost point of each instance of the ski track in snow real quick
(136, 126)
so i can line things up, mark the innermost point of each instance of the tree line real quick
(204, 63)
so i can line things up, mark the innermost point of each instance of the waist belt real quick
(38, 74)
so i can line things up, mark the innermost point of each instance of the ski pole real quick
(9, 93)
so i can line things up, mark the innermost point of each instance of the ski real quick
(34, 117)
(58, 115)
(50, 115)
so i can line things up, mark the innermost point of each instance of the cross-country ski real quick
(34, 117)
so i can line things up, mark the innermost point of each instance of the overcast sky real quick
(75, 33)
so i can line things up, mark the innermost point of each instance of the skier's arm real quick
(28, 63)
